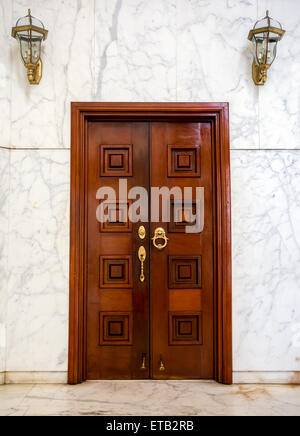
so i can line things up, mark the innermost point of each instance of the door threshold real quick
(153, 381)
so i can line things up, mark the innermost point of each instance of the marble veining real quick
(4, 222)
(171, 50)
(5, 73)
(41, 114)
(37, 324)
(266, 260)
(279, 106)
(212, 37)
(135, 50)
(149, 399)
(140, 50)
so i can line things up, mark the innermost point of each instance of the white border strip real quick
(36, 377)
(266, 377)
(239, 377)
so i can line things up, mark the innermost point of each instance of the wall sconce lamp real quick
(31, 32)
(264, 36)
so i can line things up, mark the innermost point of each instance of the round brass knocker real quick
(160, 234)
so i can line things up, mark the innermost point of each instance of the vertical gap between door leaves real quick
(149, 248)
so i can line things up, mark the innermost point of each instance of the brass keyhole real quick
(142, 232)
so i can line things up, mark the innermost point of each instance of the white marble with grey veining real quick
(266, 260)
(149, 399)
(4, 216)
(139, 50)
(41, 114)
(279, 106)
(214, 61)
(5, 72)
(135, 50)
(36, 377)
(37, 314)
(171, 50)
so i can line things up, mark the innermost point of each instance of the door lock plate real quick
(142, 232)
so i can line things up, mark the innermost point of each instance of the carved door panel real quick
(182, 272)
(173, 306)
(118, 302)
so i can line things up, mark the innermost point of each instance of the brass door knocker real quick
(160, 234)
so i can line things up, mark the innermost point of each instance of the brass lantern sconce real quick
(30, 32)
(264, 36)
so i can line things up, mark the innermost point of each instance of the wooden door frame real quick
(218, 115)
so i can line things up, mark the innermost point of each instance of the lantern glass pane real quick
(265, 48)
(30, 44)
(274, 36)
(260, 54)
(26, 21)
(272, 49)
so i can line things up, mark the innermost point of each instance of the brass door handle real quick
(143, 367)
(142, 258)
(161, 365)
(159, 233)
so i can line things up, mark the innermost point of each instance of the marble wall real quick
(5, 101)
(4, 194)
(158, 50)
(266, 259)
(37, 308)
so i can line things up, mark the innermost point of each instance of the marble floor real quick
(149, 398)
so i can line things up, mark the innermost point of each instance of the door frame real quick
(218, 115)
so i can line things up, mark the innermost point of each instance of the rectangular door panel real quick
(182, 273)
(117, 302)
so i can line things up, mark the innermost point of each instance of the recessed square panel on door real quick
(116, 160)
(117, 221)
(116, 272)
(184, 272)
(182, 215)
(185, 328)
(184, 160)
(115, 328)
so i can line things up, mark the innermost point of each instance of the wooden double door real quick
(152, 318)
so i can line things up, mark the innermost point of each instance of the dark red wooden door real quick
(162, 327)
(182, 273)
(118, 302)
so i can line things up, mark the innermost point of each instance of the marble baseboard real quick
(267, 377)
(53, 377)
(239, 377)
